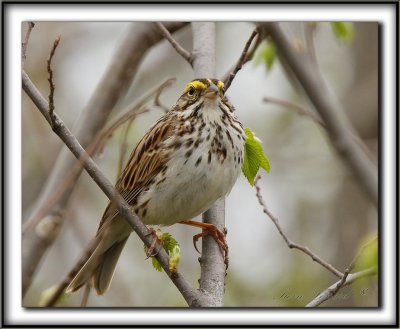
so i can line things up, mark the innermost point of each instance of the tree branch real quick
(212, 261)
(302, 111)
(244, 57)
(179, 49)
(333, 289)
(24, 47)
(289, 242)
(50, 79)
(113, 86)
(192, 296)
(97, 145)
(330, 109)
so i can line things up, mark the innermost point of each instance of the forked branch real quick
(344, 281)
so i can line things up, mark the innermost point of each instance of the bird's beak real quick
(211, 92)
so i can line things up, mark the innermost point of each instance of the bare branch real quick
(112, 87)
(309, 32)
(212, 261)
(98, 143)
(330, 109)
(179, 49)
(302, 111)
(192, 296)
(289, 242)
(50, 79)
(244, 57)
(31, 25)
(333, 289)
(131, 112)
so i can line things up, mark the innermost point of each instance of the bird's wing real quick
(146, 161)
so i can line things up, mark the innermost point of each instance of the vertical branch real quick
(212, 262)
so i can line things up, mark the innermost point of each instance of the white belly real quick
(194, 189)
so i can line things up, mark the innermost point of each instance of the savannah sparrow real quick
(189, 158)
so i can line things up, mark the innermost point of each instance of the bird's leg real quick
(215, 232)
(157, 240)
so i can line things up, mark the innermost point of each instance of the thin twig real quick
(158, 103)
(333, 289)
(179, 49)
(132, 111)
(50, 79)
(24, 47)
(290, 243)
(98, 143)
(302, 111)
(242, 59)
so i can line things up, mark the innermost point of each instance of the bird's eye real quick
(191, 91)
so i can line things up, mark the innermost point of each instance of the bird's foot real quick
(215, 232)
(156, 244)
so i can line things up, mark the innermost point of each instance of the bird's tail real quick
(98, 263)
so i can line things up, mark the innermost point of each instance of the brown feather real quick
(145, 161)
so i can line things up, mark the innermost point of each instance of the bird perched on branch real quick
(188, 159)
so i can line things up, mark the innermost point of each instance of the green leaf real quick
(344, 31)
(156, 264)
(254, 157)
(169, 242)
(169, 245)
(174, 258)
(266, 54)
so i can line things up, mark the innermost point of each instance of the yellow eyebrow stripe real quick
(196, 84)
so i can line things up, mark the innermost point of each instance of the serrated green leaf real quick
(344, 31)
(169, 245)
(169, 242)
(156, 264)
(254, 157)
